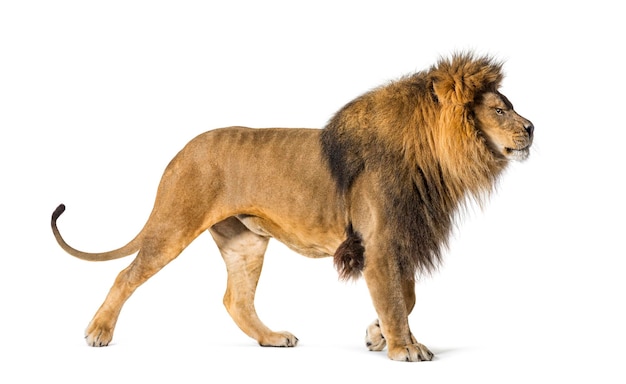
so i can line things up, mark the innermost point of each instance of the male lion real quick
(377, 188)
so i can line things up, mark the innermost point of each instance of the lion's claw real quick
(374, 338)
(279, 339)
(96, 337)
(413, 352)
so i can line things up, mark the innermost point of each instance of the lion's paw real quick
(279, 339)
(374, 338)
(96, 336)
(412, 352)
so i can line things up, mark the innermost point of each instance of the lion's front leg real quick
(393, 300)
(375, 341)
(374, 338)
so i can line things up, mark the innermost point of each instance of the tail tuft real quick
(58, 212)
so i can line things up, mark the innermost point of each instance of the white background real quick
(96, 98)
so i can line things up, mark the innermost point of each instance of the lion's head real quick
(507, 134)
(430, 140)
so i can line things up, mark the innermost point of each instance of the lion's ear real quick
(449, 92)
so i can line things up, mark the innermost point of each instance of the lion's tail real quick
(130, 248)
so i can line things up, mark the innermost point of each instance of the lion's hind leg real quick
(243, 252)
(154, 255)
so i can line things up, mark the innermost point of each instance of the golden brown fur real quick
(377, 188)
(418, 138)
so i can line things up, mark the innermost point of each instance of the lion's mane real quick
(417, 136)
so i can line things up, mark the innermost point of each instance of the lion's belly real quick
(310, 242)
(276, 182)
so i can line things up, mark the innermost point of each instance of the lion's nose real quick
(530, 128)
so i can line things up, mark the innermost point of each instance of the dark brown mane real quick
(418, 137)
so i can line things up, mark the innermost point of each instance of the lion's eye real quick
(499, 111)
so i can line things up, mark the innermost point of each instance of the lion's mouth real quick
(518, 154)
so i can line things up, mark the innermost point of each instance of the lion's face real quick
(508, 134)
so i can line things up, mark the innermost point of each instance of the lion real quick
(377, 189)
